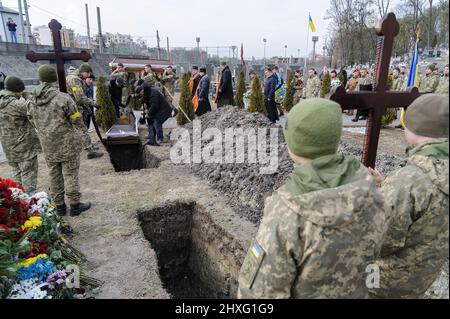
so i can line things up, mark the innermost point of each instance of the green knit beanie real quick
(14, 84)
(314, 128)
(47, 74)
(85, 68)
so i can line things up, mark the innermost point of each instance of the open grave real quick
(197, 258)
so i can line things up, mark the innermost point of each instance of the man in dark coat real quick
(225, 96)
(157, 111)
(115, 91)
(269, 95)
(204, 106)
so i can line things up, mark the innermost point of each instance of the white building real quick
(43, 35)
(6, 13)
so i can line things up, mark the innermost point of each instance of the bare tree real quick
(383, 7)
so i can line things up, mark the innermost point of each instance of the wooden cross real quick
(378, 100)
(58, 55)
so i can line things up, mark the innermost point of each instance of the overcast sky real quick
(216, 22)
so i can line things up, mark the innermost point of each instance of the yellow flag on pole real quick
(311, 24)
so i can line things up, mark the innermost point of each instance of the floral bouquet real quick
(36, 260)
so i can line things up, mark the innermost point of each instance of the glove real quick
(142, 120)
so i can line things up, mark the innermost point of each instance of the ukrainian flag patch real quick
(252, 264)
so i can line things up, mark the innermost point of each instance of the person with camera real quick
(156, 111)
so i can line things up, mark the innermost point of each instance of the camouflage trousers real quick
(25, 173)
(64, 181)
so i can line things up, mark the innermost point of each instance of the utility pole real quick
(27, 16)
(159, 48)
(100, 36)
(168, 49)
(22, 24)
(88, 27)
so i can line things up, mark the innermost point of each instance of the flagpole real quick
(307, 46)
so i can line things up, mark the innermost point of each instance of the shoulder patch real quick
(252, 263)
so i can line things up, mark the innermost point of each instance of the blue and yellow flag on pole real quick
(413, 78)
(311, 24)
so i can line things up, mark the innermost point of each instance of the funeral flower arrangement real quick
(36, 259)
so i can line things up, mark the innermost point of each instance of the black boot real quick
(94, 154)
(356, 119)
(61, 210)
(77, 209)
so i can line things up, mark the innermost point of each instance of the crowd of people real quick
(321, 230)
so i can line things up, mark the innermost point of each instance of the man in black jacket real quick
(269, 95)
(115, 91)
(204, 106)
(225, 96)
(157, 111)
(12, 27)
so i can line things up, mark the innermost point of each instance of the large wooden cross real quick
(378, 100)
(58, 55)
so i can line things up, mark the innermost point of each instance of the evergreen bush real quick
(106, 115)
(240, 90)
(185, 102)
(257, 97)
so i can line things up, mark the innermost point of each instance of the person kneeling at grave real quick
(157, 111)
(416, 204)
(322, 228)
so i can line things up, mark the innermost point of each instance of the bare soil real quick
(113, 240)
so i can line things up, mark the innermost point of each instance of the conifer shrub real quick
(185, 102)
(106, 115)
(240, 90)
(289, 98)
(257, 98)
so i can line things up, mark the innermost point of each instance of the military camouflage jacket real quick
(169, 79)
(19, 139)
(397, 84)
(416, 244)
(58, 123)
(443, 86)
(429, 84)
(150, 78)
(119, 74)
(76, 87)
(365, 80)
(316, 245)
(313, 87)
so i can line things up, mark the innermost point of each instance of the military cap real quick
(314, 128)
(85, 68)
(47, 74)
(428, 116)
(14, 84)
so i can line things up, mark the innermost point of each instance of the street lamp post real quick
(265, 41)
(198, 50)
(285, 50)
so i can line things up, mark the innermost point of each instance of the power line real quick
(78, 23)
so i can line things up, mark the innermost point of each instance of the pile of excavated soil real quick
(243, 184)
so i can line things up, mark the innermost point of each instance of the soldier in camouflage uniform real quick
(298, 85)
(149, 76)
(121, 72)
(168, 80)
(313, 85)
(18, 137)
(430, 82)
(59, 125)
(397, 82)
(416, 204)
(76, 86)
(365, 83)
(323, 228)
(443, 83)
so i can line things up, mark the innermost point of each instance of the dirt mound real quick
(243, 183)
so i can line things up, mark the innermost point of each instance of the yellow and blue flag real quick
(413, 78)
(311, 24)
